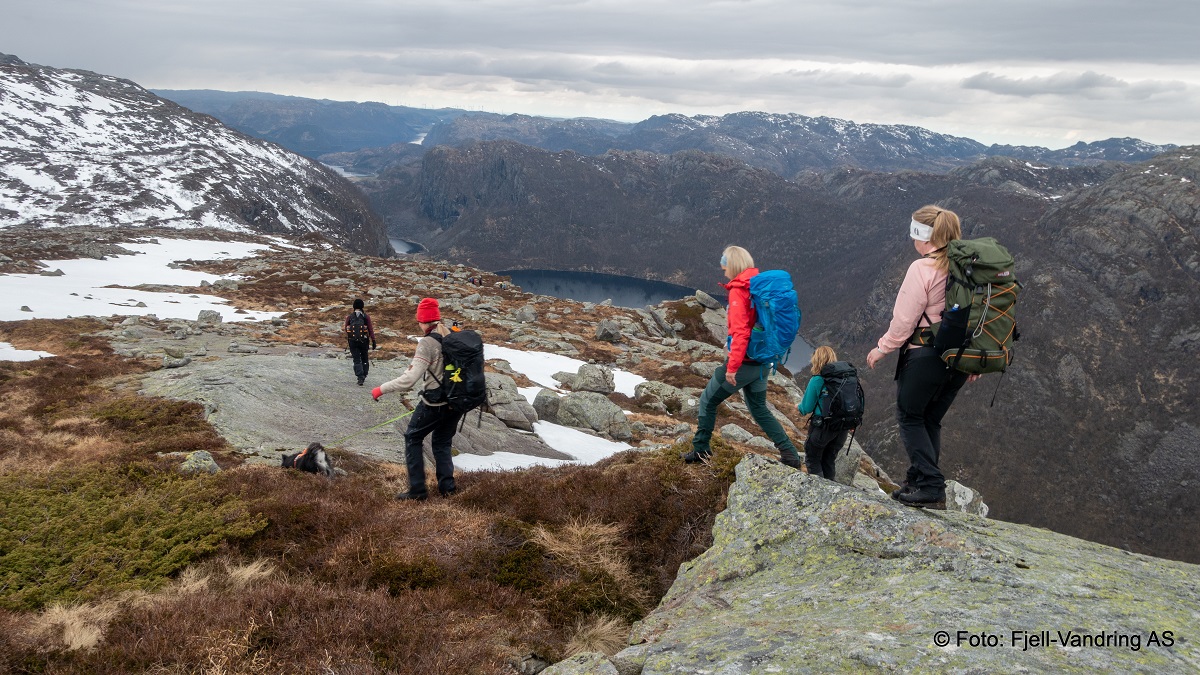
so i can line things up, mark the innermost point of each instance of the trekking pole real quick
(394, 419)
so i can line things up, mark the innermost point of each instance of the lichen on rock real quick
(806, 575)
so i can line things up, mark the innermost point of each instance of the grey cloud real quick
(1088, 84)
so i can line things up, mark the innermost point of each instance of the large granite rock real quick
(506, 403)
(546, 405)
(807, 576)
(589, 410)
(591, 377)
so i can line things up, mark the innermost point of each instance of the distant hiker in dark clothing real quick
(823, 444)
(360, 334)
(432, 414)
(739, 373)
(926, 386)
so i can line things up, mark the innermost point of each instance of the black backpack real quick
(841, 404)
(463, 384)
(356, 327)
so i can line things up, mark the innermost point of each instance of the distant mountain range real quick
(312, 127)
(78, 148)
(787, 144)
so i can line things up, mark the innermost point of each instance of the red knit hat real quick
(428, 311)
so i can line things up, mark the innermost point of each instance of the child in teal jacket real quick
(822, 446)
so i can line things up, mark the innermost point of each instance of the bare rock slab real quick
(808, 576)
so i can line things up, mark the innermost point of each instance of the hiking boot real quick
(361, 380)
(695, 457)
(448, 493)
(924, 498)
(792, 461)
(414, 496)
(904, 487)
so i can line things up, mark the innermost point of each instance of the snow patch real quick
(82, 289)
(10, 353)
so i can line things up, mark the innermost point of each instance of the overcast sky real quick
(1034, 72)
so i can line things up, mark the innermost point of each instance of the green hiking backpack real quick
(979, 323)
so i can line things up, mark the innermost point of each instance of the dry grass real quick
(590, 546)
(603, 634)
(74, 627)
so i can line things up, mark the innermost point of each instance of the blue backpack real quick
(774, 300)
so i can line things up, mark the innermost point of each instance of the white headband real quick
(920, 231)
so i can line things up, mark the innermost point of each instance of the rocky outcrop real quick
(805, 575)
(270, 402)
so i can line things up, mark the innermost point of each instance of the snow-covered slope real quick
(78, 148)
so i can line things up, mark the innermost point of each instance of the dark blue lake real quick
(624, 292)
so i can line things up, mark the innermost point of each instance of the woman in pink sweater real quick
(926, 386)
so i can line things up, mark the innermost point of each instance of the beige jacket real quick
(426, 365)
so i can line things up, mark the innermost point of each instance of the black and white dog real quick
(312, 459)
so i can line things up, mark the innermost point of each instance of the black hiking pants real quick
(925, 388)
(440, 421)
(821, 450)
(358, 352)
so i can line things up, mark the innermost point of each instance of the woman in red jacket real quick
(739, 373)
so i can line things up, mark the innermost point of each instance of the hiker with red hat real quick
(432, 414)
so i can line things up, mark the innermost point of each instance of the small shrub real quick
(522, 568)
(398, 576)
(160, 425)
(80, 534)
(594, 592)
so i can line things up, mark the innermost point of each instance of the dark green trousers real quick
(751, 380)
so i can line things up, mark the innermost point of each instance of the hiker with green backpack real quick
(762, 321)
(953, 321)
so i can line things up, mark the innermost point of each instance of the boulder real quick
(959, 497)
(707, 300)
(672, 398)
(803, 576)
(546, 405)
(200, 461)
(209, 316)
(595, 378)
(507, 404)
(525, 314)
(608, 331)
(732, 432)
(565, 379)
(714, 321)
(589, 410)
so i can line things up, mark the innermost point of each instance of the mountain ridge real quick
(787, 143)
(81, 148)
